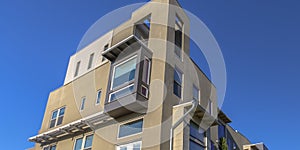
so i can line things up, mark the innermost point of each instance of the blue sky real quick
(259, 40)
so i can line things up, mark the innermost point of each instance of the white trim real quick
(109, 100)
(114, 67)
(129, 146)
(83, 141)
(147, 91)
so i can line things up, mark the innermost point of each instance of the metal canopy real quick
(74, 128)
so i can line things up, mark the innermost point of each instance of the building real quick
(134, 88)
(257, 146)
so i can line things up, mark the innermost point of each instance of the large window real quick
(131, 146)
(197, 135)
(123, 76)
(57, 117)
(84, 143)
(124, 72)
(131, 128)
(177, 89)
(52, 147)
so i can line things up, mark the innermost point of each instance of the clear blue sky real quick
(259, 40)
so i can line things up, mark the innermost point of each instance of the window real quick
(196, 137)
(177, 89)
(178, 37)
(99, 92)
(124, 73)
(131, 146)
(91, 61)
(131, 128)
(210, 107)
(121, 93)
(52, 147)
(82, 103)
(104, 49)
(84, 143)
(196, 93)
(144, 91)
(221, 131)
(77, 69)
(146, 70)
(57, 117)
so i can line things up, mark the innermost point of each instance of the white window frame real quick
(129, 146)
(82, 103)
(83, 142)
(98, 98)
(182, 81)
(49, 147)
(114, 69)
(147, 91)
(109, 97)
(57, 116)
(127, 123)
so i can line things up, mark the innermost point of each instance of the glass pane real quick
(147, 22)
(123, 148)
(54, 114)
(46, 148)
(196, 132)
(124, 73)
(88, 141)
(177, 89)
(53, 147)
(137, 146)
(178, 76)
(195, 146)
(78, 144)
(131, 128)
(98, 97)
(59, 120)
(146, 70)
(82, 103)
(62, 111)
(119, 94)
(195, 93)
(52, 123)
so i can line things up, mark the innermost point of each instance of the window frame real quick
(180, 24)
(82, 103)
(77, 69)
(176, 69)
(49, 147)
(114, 70)
(98, 98)
(130, 145)
(148, 70)
(116, 91)
(127, 122)
(198, 93)
(83, 142)
(91, 59)
(57, 117)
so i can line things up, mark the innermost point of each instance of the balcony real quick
(128, 87)
(126, 39)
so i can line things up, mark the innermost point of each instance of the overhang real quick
(72, 129)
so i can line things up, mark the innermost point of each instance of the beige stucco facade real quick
(163, 107)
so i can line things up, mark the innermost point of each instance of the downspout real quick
(177, 123)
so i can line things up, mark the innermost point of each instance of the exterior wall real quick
(161, 98)
(83, 56)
